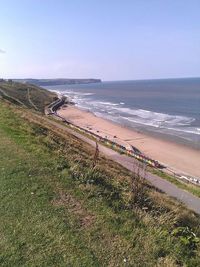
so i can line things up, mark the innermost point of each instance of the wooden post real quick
(96, 155)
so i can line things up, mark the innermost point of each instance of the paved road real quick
(191, 201)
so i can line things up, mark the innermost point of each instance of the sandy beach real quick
(180, 158)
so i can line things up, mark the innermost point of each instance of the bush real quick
(187, 238)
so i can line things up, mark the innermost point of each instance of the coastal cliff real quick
(51, 82)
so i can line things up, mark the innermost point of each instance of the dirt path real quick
(30, 101)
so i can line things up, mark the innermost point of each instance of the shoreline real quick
(168, 137)
(149, 131)
(178, 157)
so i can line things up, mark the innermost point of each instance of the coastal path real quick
(191, 201)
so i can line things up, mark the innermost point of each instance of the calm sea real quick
(170, 107)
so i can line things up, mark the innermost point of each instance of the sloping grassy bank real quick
(194, 189)
(28, 95)
(56, 210)
(36, 98)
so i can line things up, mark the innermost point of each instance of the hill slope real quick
(26, 95)
(57, 210)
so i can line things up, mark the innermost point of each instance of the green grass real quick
(56, 211)
(194, 189)
(20, 93)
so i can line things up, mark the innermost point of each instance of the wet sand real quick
(180, 158)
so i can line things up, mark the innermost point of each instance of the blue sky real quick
(108, 39)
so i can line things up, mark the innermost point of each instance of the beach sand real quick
(180, 158)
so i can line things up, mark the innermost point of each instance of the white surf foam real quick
(144, 117)
(118, 113)
(76, 93)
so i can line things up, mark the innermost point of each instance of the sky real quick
(107, 39)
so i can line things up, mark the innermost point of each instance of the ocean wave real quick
(106, 103)
(156, 117)
(190, 130)
(153, 118)
(145, 117)
(72, 93)
(119, 113)
(140, 116)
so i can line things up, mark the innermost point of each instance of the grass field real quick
(56, 210)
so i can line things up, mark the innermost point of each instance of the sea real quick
(164, 107)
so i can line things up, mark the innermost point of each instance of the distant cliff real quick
(49, 82)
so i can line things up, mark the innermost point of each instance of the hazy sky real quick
(108, 39)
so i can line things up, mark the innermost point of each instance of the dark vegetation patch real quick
(31, 96)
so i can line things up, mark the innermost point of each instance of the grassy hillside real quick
(36, 98)
(27, 95)
(57, 210)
